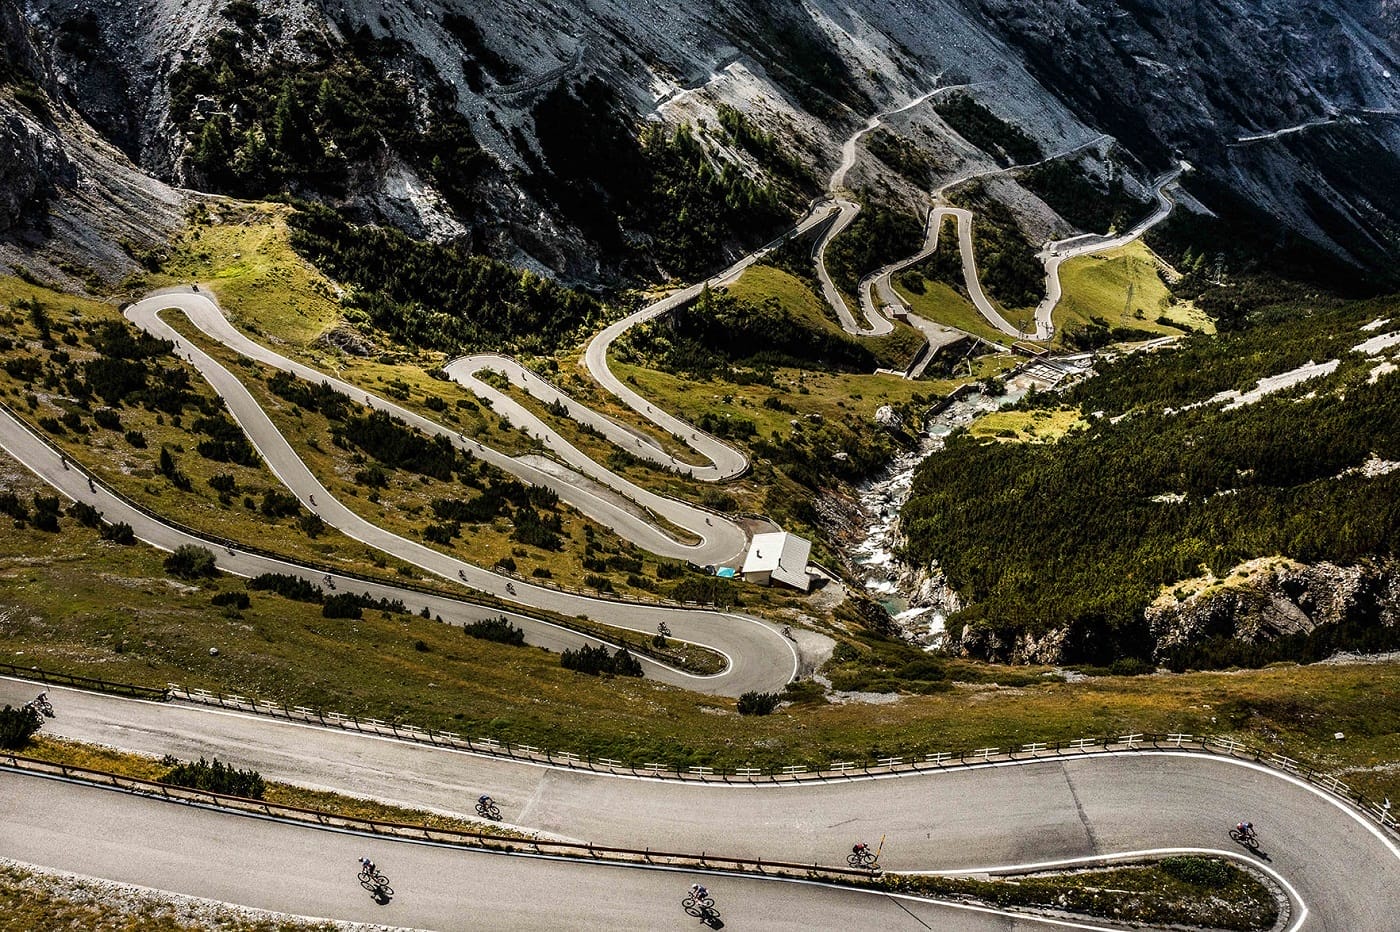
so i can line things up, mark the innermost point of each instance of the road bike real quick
(376, 883)
(704, 906)
(42, 705)
(488, 811)
(862, 859)
(1248, 839)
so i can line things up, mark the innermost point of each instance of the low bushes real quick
(495, 629)
(216, 777)
(597, 660)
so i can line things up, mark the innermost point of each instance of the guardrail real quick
(50, 678)
(442, 836)
(906, 764)
(886, 766)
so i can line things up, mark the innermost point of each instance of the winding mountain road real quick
(1086, 244)
(1344, 871)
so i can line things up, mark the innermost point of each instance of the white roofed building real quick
(779, 557)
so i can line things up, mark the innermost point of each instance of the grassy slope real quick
(1097, 286)
(75, 604)
(760, 282)
(1038, 426)
(830, 395)
(142, 767)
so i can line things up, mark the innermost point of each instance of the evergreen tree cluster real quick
(1084, 532)
(260, 125)
(878, 236)
(607, 176)
(215, 777)
(498, 629)
(719, 330)
(1064, 185)
(984, 129)
(595, 661)
(438, 295)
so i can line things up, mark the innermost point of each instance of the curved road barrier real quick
(996, 812)
(309, 870)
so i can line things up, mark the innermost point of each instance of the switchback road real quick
(1345, 870)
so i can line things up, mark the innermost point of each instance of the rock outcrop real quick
(1285, 598)
(1162, 79)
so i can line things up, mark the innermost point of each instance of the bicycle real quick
(704, 906)
(1248, 839)
(376, 883)
(489, 811)
(42, 705)
(862, 859)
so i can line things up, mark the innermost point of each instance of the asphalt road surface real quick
(1346, 871)
(305, 871)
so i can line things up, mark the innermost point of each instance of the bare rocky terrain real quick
(1162, 81)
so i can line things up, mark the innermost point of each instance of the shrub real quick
(85, 514)
(106, 417)
(342, 605)
(277, 504)
(1200, 872)
(601, 583)
(287, 586)
(374, 476)
(215, 777)
(46, 512)
(311, 525)
(191, 562)
(238, 600)
(1131, 666)
(17, 726)
(595, 660)
(757, 703)
(12, 506)
(495, 629)
(119, 533)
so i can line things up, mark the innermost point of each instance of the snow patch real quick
(1276, 383)
(1376, 324)
(1377, 345)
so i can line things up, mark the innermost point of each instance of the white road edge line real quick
(1357, 817)
(1303, 910)
(540, 856)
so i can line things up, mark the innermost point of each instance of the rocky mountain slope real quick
(73, 208)
(1163, 80)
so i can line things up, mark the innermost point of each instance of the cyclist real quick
(510, 587)
(699, 892)
(484, 801)
(313, 500)
(367, 866)
(1246, 829)
(861, 849)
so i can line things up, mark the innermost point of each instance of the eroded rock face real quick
(1161, 76)
(23, 182)
(1287, 600)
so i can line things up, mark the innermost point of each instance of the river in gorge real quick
(882, 498)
